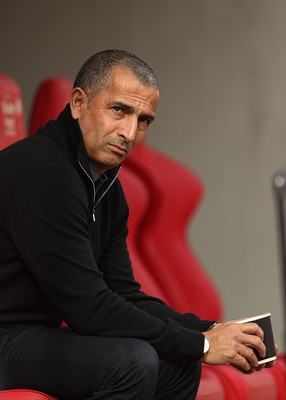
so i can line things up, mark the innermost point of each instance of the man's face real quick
(116, 119)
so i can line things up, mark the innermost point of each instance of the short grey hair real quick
(94, 74)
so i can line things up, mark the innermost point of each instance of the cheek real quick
(140, 137)
(102, 127)
(93, 132)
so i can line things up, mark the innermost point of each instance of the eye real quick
(117, 109)
(145, 120)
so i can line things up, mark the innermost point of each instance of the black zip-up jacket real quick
(63, 253)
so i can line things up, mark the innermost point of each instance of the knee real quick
(143, 356)
(134, 372)
(143, 363)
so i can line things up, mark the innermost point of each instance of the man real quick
(63, 256)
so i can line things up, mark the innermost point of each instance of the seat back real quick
(12, 121)
(175, 194)
(138, 199)
(210, 387)
(50, 99)
(24, 394)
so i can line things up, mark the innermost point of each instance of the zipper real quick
(93, 186)
(111, 183)
(94, 191)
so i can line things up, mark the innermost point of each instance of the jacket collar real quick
(74, 140)
(68, 134)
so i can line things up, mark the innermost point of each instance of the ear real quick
(78, 99)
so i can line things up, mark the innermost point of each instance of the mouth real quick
(118, 149)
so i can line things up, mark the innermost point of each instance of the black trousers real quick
(74, 367)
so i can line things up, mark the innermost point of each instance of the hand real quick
(270, 364)
(232, 343)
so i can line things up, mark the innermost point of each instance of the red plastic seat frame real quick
(175, 194)
(12, 121)
(50, 99)
(24, 394)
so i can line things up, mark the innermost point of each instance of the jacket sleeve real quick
(49, 227)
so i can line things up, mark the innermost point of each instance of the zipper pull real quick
(93, 216)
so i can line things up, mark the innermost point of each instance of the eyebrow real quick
(130, 109)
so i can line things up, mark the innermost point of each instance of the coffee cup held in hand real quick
(264, 321)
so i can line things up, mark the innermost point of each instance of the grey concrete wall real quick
(222, 71)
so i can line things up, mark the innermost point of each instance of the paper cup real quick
(264, 321)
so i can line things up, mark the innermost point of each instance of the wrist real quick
(206, 346)
(213, 325)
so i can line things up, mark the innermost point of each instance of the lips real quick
(118, 149)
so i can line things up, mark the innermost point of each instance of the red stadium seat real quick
(175, 193)
(24, 394)
(12, 122)
(261, 385)
(279, 374)
(50, 99)
(210, 387)
(138, 199)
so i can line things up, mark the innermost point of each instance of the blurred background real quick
(221, 65)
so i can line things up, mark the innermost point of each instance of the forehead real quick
(122, 84)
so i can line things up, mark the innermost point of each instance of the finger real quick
(249, 355)
(252, 329)
(255, 342)
(270, 364)
(250, 371)
(241, 363)
(260, 367)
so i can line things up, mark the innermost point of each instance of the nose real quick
(128, 129)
